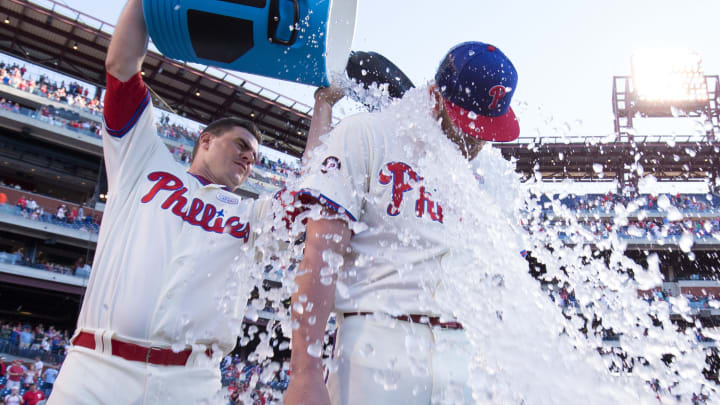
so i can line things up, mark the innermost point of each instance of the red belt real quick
(415, 318)
(132, 352)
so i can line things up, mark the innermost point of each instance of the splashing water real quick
(524, 348)
(375, 97)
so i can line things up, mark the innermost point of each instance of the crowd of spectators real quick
(278, 166)
(62, 214)
(649, 228)
(72, 217)
(68, 120)
(244, 385)
(565, 297)
(80, 268)
(694, 301)
(24, 340)
(656, 228)
(30, 380)
(71, 93)
(57, 117)
(169, 130)
(608, 202)
(29, 394)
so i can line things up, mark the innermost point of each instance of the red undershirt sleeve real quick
(124, 104)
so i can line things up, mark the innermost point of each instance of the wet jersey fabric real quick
(170, 242)
(370, 171)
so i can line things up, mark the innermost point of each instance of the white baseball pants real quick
(388, 361)
(90, 377)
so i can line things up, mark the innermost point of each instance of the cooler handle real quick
(274, 22)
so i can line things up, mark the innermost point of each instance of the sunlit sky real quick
(566, 52)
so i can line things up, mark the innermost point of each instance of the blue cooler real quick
(296, 40)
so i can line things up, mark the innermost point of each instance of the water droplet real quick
(315, 349)
(686, 242)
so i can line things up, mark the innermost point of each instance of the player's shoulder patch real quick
(330, 163)
(227, 199)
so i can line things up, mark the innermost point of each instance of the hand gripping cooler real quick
(296, 40)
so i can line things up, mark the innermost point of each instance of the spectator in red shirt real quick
(15, 374)
(72, 215)
(21, 202)
(33, 396)
(3, 367)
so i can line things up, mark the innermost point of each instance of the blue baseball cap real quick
(477, 82)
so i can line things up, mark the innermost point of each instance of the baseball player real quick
(166, 295)
(392, 347)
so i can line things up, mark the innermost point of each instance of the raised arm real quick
(128, 44)
(321, 124)
(307, 385)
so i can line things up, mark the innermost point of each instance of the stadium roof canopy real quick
(55, 36)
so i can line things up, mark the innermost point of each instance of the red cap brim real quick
(504, 128)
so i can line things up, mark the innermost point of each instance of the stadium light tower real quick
(666, 83)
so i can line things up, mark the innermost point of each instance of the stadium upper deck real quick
(57, 145)
(53, 35)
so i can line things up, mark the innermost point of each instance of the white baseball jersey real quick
(170, 242)
(370, 171)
